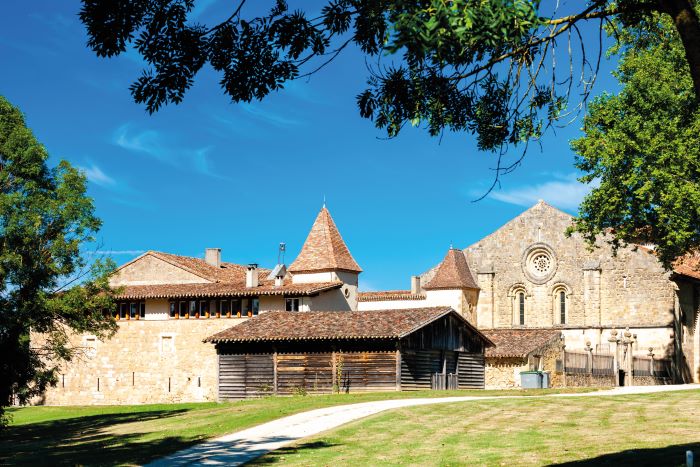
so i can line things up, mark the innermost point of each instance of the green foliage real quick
(46, 286)
(484, 67)
(643, 146)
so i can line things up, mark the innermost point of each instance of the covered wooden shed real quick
(324, 351)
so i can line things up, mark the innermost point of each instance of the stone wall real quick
(591, 381)
(504, 373)
(144, 362)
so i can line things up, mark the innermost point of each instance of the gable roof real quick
(452, 273)
(519, 343)
(227, 272)
(324, 248)
(328, 325)
(539, 210)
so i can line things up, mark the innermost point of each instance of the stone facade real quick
(532, 275)
(147, 361)
(601, 289)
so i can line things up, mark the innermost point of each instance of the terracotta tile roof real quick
(324, 325)
(452, 273)
(385, 295)
(221, 289)
(228, 272)
(519, 342)
(324, 248)
(688, 265)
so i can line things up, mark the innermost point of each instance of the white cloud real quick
(565, 192)
(95, 175)
(164, 149)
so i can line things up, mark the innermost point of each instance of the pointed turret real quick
(452, 273)
(324, 249)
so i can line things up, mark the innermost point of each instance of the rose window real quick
(541, 263)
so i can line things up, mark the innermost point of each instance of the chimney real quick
(212, 256)
(251, 275)
(415, 285)
(279, 280)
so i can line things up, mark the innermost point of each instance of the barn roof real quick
(324, 248)
(330, 325)
(519, 343)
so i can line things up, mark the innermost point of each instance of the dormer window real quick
(292, 304)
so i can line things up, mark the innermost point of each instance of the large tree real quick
(47, 288)
(488, 67)
(643, 146)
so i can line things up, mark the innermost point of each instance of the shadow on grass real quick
(668, 455)
(84, 441)
(278, 455)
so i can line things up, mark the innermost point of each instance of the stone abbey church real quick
(198, 329)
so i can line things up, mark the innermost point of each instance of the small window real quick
(204, 309)
(91, 346)
(183, 309)
(167, 344)
(521, 308)
(236, 307)
(292, 304)
(142, 309)
(562, 307)
(123, 311)
(173, 309)
(224, 309)
(193, 309)
(255, 306)
(245, 307)
(133, 311)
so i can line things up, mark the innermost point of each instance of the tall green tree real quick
(47, 287)
(487, 67)
(643, 146)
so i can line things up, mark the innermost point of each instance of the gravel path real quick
(242, 446)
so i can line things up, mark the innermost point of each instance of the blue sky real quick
(209, 173)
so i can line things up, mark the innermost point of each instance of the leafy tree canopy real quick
(643, 145)
(46, 286)
(487, 67)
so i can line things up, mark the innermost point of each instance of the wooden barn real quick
(283, 352)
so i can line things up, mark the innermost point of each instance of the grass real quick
(641, 430)
(128, 435)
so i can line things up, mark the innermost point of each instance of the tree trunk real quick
(686, 21)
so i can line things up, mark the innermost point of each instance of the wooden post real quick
(334, 377)
(651, 361)
(398, 369)
(274, 371)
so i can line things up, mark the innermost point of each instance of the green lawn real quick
(118, 435)
(640, 430)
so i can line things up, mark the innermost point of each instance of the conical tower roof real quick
(452, 273)
(324, 249)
